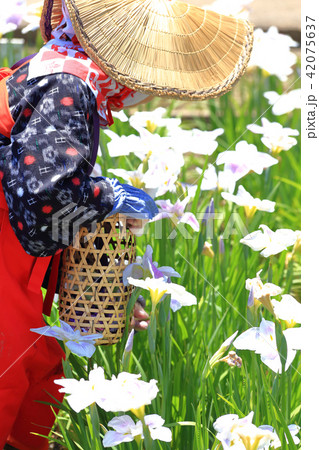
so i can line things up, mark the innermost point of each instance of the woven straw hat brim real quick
(161, 47)
(50, 17)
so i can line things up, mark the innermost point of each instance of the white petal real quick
(120, 115)
(271, 96)
(229, 340)
(290, 357)
(286, 236)
(175, 305)
(191, 220)
(255, 128)
(273, 363)
(229, 197)
(224, 421)
(129, 342)
(96, 375)
(267, 206)
(287, 309)
(293, 337)
(186, 299)
(273, 249)
(266, 427)
(68, 385)
(294, 429)
(247, 340)
(154, 420)
(79, 401)
(255, 240)
(247, 420)
(161, 433)
(112, 438)
(121, 424)
(271, 289)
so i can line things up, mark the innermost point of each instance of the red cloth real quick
(6, 122)
(107, 91)
(28, 363)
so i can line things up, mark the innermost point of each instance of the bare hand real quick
(140, 319)
(136, 226)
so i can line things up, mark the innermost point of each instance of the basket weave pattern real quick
(92, 296)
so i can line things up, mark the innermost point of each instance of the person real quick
(97, 56)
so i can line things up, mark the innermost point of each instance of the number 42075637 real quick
(310, 47)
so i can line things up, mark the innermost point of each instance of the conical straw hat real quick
(160, 47)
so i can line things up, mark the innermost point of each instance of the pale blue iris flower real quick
(74, 341)
(145, 268)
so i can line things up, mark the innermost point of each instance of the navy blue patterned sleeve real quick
(44, 168)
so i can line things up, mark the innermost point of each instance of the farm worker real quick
(97, 56)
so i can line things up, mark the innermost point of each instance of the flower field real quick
(219, 267)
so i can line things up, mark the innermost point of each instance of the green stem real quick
(148, 442)
(152, 340)
(95, 420)
(270, 270)
(67, 352)
(126, 361)
(152, 330)
(90, 365)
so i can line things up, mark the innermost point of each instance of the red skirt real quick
(28, 362)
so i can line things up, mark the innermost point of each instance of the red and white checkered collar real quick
(63, 53)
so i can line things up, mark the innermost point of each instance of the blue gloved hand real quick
(132, 201)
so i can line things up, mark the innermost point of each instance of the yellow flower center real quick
(290, 323)
(138, 439)
(145, 161)
(248, 443)
(136, 182)
(151, 126)
(140, 412)
(156, 295)
(276, 150)
(250, 211)
(38, 11)
(265, 73)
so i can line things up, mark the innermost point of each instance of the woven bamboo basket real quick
(92, 296)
